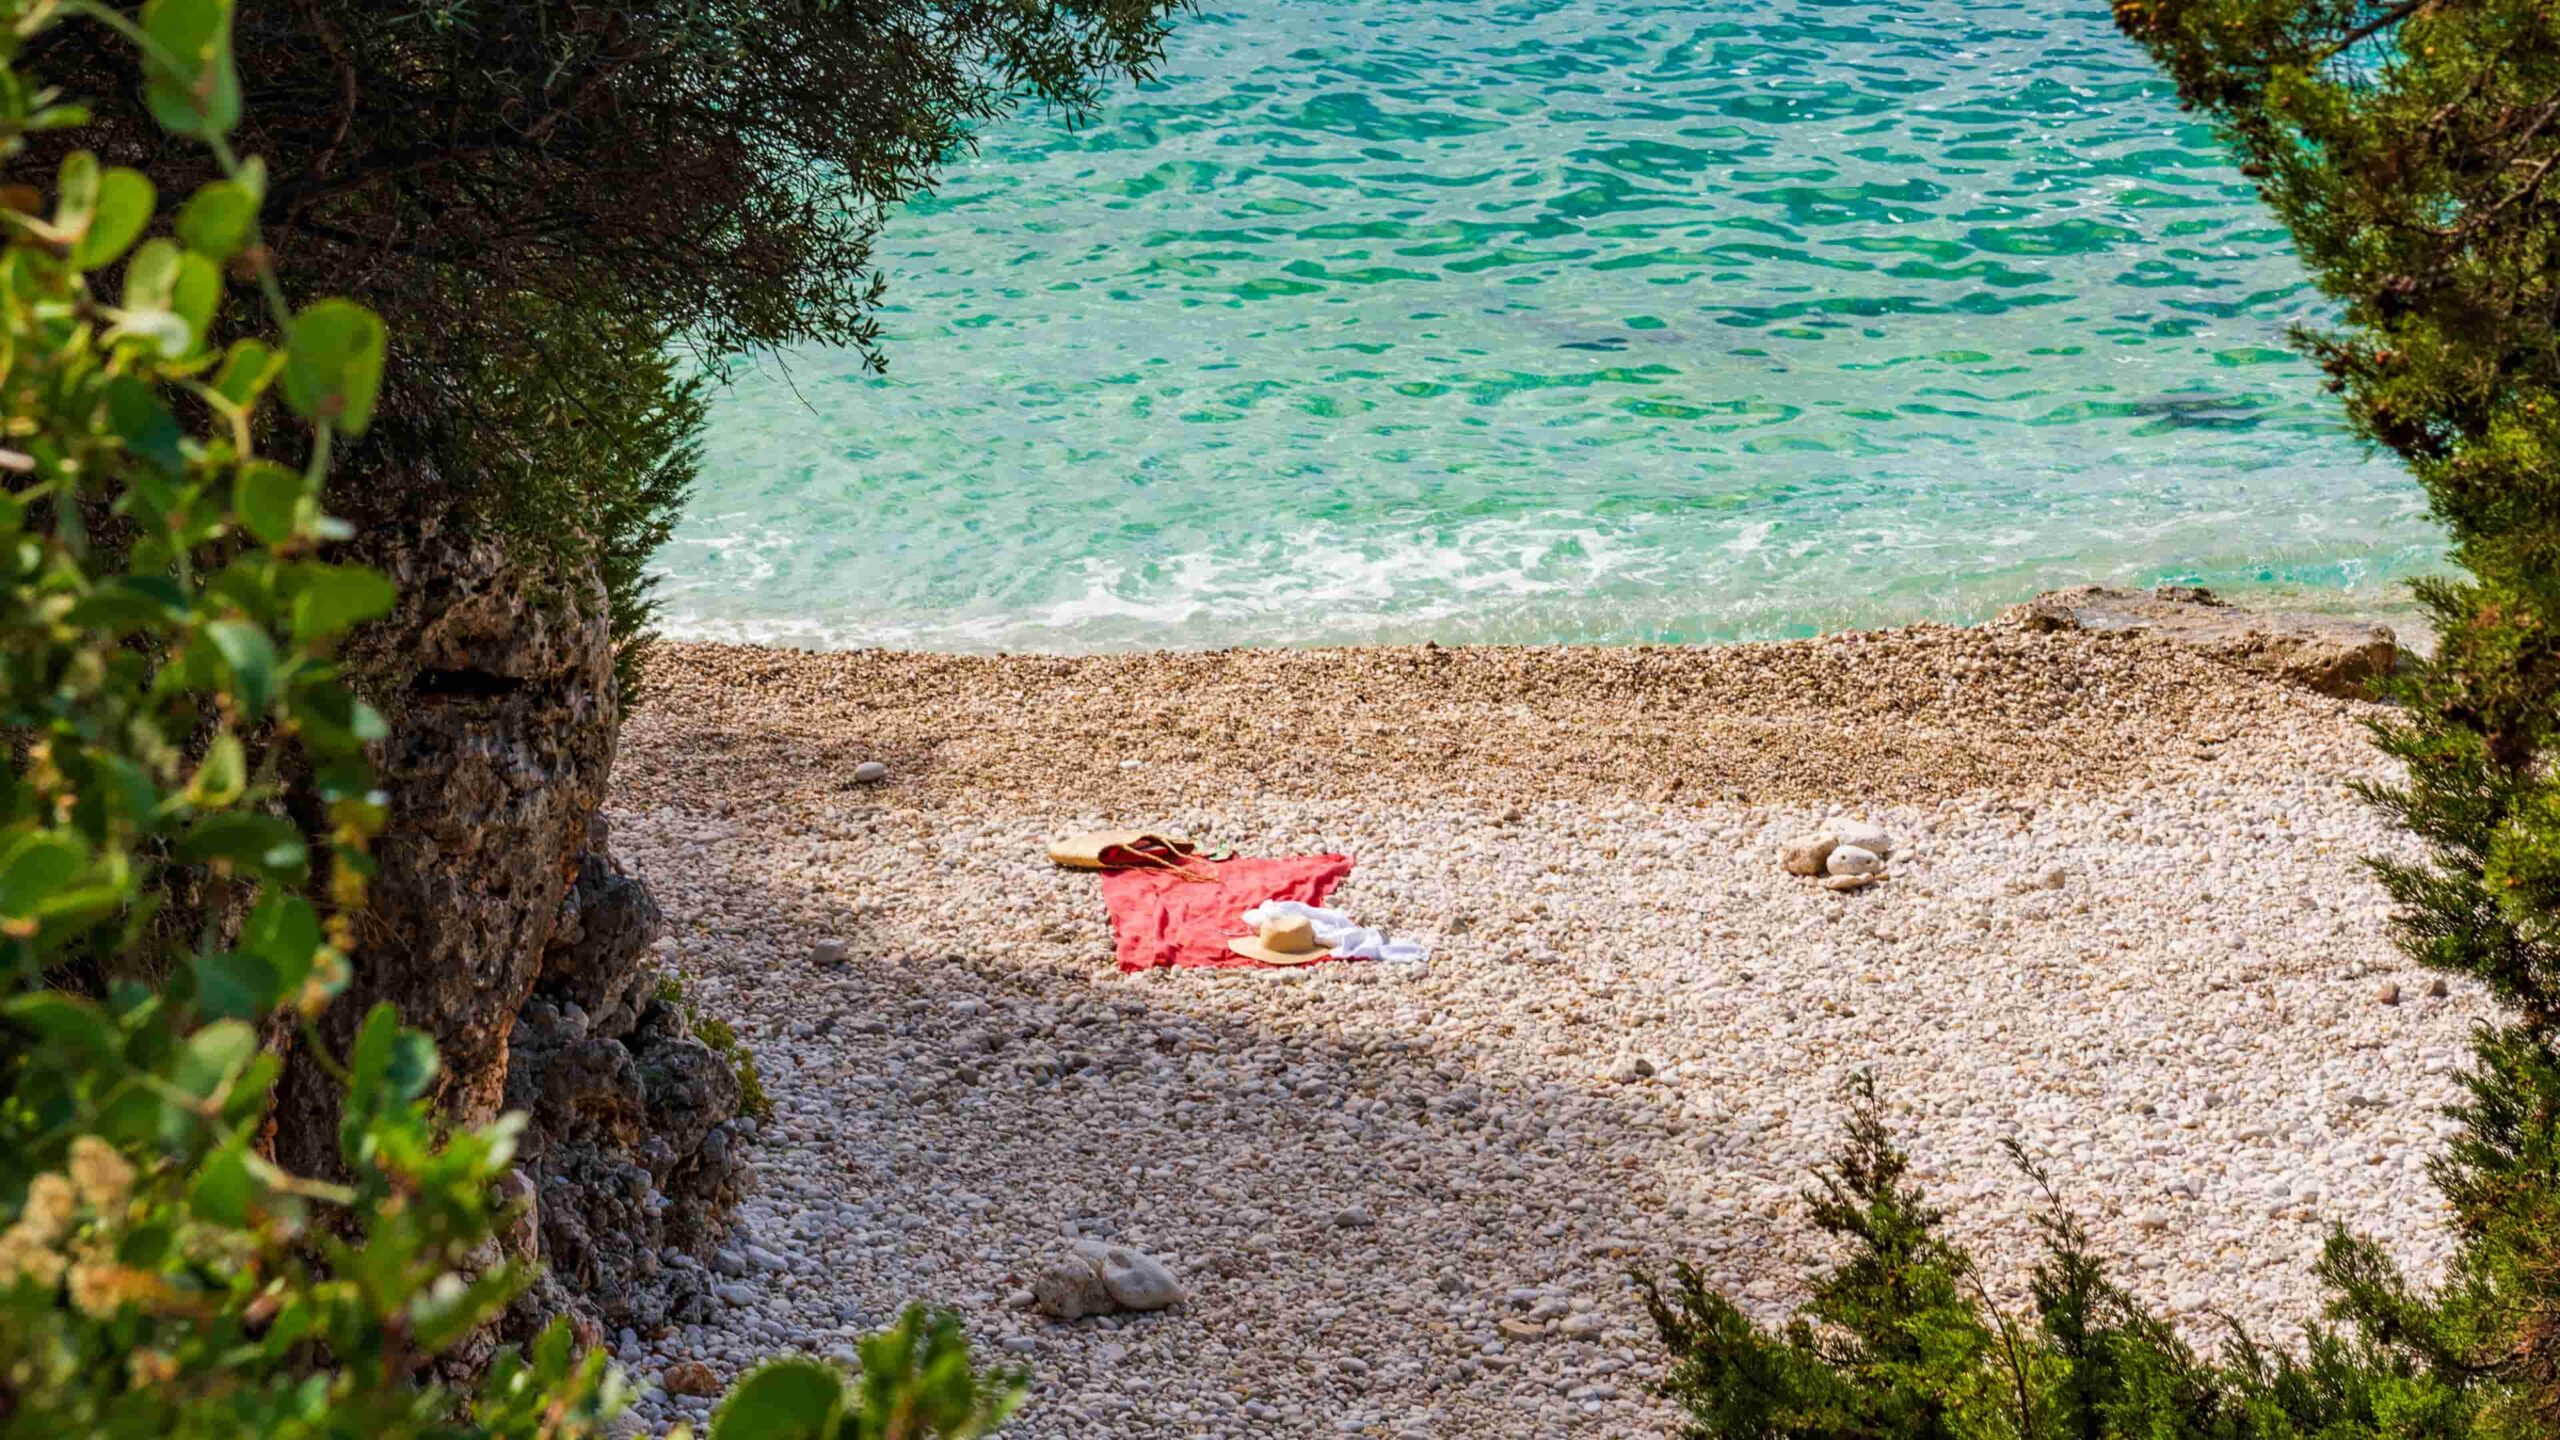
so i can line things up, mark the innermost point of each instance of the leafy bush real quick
(166, 627)
(915, 1382)
(2409, 145)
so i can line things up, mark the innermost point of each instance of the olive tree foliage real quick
(541, 196)
(168, 615)
(2409, 146)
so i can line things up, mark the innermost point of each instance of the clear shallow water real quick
(1603, 320)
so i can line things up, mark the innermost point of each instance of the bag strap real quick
(1170, 858)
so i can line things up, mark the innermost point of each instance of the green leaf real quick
(35, 866)
(75, 202)
(223, 1188)
(262, 844)
(235, 985)
(196, 296)
(129, 787)
(333, 599)
(120, 607)
(251, 656)
(285, 930)
(267, 497)
(791, 1399)
(333, 364)
(222, 777)
(147, 1246)
(145, 423)
(213, 1057)
(122, 208)
(413, 1065)
(216, 221)
(442, 1315)
(189, 83)
(76, 1025)
(389, 1062)
(247, 369)
(151, 277)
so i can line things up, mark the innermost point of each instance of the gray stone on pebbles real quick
(1093, 1277)
(1866, 835)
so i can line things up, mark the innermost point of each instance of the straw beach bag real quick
(1131, 850)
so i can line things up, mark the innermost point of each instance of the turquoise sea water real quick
(1601, 320)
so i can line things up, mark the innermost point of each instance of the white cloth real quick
(1335, 931)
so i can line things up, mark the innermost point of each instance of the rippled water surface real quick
(1604, 320)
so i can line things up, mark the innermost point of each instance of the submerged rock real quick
(2328, 653)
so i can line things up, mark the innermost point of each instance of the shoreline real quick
(2399, 612)
(1408, 1196)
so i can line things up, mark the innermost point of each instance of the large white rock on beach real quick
(1094, 1277)
(1863, 834)
(1853, 860)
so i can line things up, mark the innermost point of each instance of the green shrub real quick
(1902, 1341)
(915, 1382)
(166, 627)
(2409, 145)
(723, 1040)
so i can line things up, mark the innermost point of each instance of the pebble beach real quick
(2125, 923)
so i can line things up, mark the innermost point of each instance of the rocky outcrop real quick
(636, 1148)
(2328, 653)
(498, 924)
(496, 677)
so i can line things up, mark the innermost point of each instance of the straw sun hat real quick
(1289, 940)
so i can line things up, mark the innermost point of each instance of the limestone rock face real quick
(2327, 653)
(499, 925)
(496, 677)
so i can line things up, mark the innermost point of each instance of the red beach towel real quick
(1158, 918)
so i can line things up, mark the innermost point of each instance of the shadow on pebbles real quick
(1404, 1200)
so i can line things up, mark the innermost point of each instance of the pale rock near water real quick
(870, 772)
(2328, 653)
